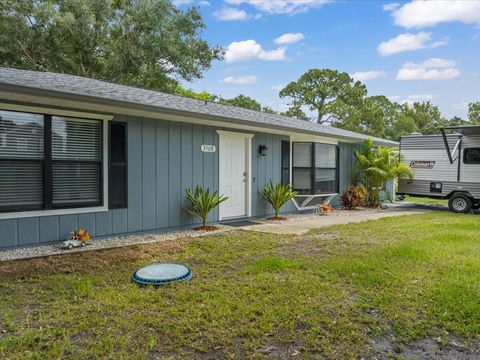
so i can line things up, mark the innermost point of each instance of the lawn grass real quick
(328, 293)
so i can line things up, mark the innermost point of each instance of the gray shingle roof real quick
(103, 90)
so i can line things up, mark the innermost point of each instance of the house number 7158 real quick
(208, 148)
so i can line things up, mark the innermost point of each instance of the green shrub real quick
(379, 165)
(200, 203)
(278, 195)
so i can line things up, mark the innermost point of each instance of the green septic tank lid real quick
(161, 274)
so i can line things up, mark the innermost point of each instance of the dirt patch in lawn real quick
(323, 244)
(429, 348)
(92, 260)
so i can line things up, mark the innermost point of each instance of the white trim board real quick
(38, 213)
(50, 111)
(248, 166)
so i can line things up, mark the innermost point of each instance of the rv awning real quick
(465, 130)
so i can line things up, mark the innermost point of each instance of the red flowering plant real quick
(353, 197)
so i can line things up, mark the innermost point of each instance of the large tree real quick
(243, 101)
(424, 118)
(203, 95)
(374, 116)
(328, 93)
(147, 43)
(474, 112)
(296, 112)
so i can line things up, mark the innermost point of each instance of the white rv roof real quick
(465, 130)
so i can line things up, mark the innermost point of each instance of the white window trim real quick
(248, 139)
(3, 140)
(58, 112)
(83, 210)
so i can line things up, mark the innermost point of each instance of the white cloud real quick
(438, 63)
(240, 80)
(231, 14)
(277, 87)
(430, 13)
(250, 49)
(431, 69)
(289, 38)
(203, 3)
(281, 6)
(410, 99)
(390, 7)
(408, 42)
(181, 2)
(418, 98)
(368, 75)
(461, 105)
(393, 98)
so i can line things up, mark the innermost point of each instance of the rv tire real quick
(460, 203)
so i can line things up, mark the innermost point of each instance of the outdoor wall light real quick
(262, 150)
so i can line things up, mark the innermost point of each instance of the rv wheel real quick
(460, 203)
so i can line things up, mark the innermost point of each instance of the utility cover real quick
(161, 274)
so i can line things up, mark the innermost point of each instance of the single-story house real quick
(113, 159)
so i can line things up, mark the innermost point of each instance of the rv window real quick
(471, 156)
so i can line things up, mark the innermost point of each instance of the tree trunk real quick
(319, 118)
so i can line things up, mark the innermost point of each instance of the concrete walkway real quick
(301, 224)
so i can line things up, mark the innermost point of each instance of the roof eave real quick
(27, 90)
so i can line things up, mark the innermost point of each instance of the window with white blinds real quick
(21, 161)
(76, 162)
(49, 162)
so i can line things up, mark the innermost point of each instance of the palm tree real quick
(379, 165)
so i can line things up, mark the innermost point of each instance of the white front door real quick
(233, 159)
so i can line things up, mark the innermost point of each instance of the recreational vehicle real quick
(445, 166)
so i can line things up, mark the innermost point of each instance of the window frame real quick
(465, 153)
(285, 156)
(48, 209)
(313, 168)
(112, 204)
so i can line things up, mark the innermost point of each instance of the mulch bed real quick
(277, 218)
(205, 228)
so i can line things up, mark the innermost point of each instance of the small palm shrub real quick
(353, 197)
(277, 195)
(201, 202)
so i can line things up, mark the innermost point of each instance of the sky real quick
(406, 50)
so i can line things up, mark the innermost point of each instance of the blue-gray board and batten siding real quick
(164, 158)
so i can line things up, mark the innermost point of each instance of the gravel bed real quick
(112, 242)
(311, 215)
